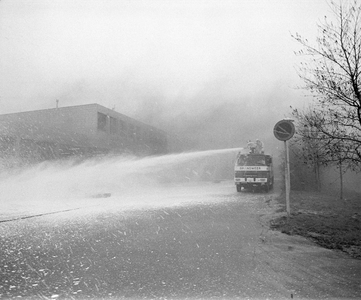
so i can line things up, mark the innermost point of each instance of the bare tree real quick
(310, 146)
(333, 75)
(317, 149)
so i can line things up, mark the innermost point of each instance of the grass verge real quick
(330, 222)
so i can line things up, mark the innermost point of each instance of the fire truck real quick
(254, 170)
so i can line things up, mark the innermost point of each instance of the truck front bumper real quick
(250, 181)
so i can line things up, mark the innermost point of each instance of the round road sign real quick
(284, 130)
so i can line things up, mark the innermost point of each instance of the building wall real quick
(62, 125)
(117, 131)
(75, 130)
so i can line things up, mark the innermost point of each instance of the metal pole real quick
(287, 179)
(341, 181)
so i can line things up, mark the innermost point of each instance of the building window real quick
(113, 125)
(122, 127)
(131, 131)
(102, 122)
(138, 133)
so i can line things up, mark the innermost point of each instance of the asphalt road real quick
(193, 242)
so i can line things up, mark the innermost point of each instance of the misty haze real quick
(139, 159)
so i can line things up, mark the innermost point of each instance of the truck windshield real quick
(254, 160)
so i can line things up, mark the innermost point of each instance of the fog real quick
(214, 73)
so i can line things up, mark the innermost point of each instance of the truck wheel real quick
(239, 188)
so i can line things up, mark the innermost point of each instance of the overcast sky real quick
(155, 60)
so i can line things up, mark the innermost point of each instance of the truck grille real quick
(255, 174)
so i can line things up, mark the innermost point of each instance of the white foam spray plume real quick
(55, 185)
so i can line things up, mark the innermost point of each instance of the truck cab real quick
(253, 171)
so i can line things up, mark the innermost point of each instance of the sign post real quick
(283, 131)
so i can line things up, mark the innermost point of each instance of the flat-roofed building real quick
(83, 130)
